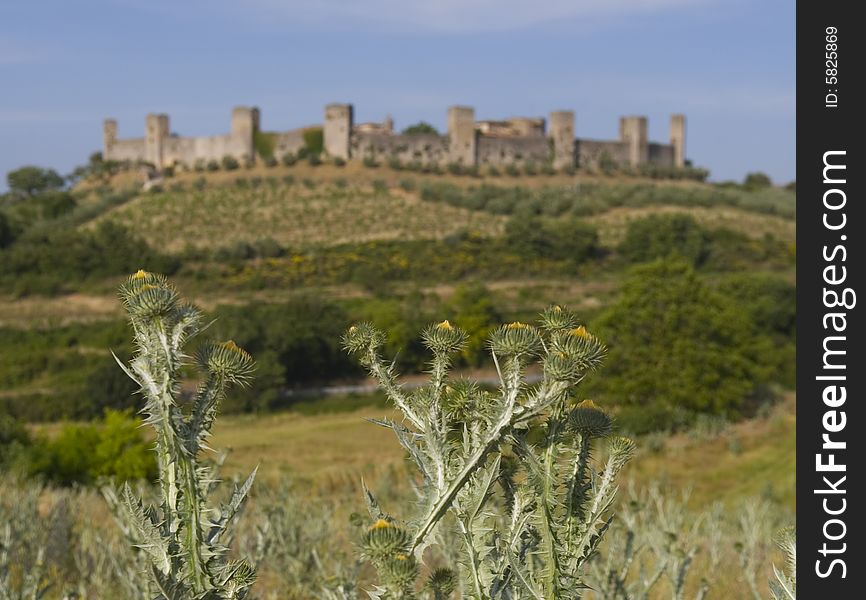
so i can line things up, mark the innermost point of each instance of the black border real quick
(821, 129)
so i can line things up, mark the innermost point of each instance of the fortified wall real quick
(469, 142)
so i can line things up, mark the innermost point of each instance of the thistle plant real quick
(510, 473)
(784, 584)
(184, 539)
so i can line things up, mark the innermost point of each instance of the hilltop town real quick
(468, 142)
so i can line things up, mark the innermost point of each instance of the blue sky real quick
(728, 64)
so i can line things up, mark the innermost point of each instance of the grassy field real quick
(752, 458)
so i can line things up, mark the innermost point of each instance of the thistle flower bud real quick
(558, 366)
(621, 450)
(557, 318)
(228, 361)
(361, 337)
(444, 338)
(384, 540)
(515, 339)
(583, 348)
(400, 571)
(460, 397)
(442, 582)
(589, 420)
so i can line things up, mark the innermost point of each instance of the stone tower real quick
(562, 136)
(109, 136)
(339, 119)
(461, 135)
(245, 123)
(633, 133)
(678, 139)
(156, 131)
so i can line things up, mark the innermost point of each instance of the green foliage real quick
(665, 235)
(757, 181)
(314, 140)
(509, 489)
(230, 163)
(264, 144)
(421, 128)
(30, 181)
(14, 440)
(7, 235)
(184, 539)
(472, 309)
(296, 343)
(48, 260)
(677, 348)
(562, 239)
(594, 198)
(85, 454)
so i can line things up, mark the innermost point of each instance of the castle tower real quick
(461, 135)
(339, 119)
(388, 124)
(109, 136)
(245, 123)
(678, 139)
(633, 133)
(156, 130)
(561, 134)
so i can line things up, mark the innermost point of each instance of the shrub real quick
(230, 163)
(339, 161)
(213, 165)
(407, 185)
(314, 160)
(370, 162)
(563, 239)
(289, 180)
(678, 348)
(757, 181)
(271, 162)
(660, 236)
(85, 454)
(395, 164)
(199, 184)
(184, 540)
(493, 171)
(539, 511)
(289, 159)
(511, 170)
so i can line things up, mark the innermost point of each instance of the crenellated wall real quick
(518, 140)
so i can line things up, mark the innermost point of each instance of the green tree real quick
(472, 309)
(757, 181)
(6, 234)
(421, 128)
(660, 236)
(560, 239)
(677, 348)
(314, 140)
(30, 180)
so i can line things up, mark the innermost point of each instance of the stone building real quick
(469, 142)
